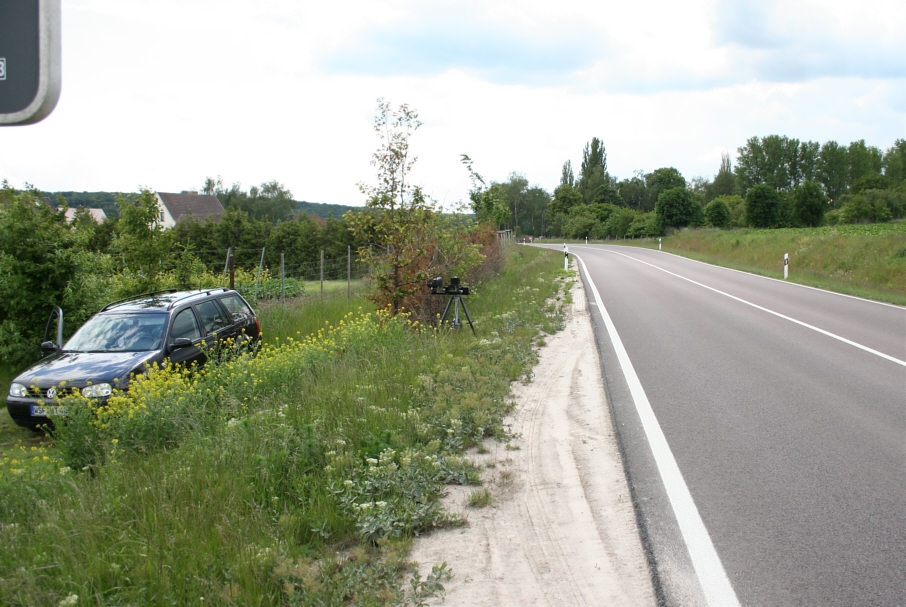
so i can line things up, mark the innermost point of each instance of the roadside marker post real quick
(786, 266)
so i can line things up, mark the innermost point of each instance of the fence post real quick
(282, 279)
(322, 274)
(348, 269)
(260, 269)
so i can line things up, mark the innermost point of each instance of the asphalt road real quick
(784, 410)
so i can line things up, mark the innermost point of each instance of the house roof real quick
(97, 214)
(199, 206)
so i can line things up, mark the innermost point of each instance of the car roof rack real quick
(125, 299)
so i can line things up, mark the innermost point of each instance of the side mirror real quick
(180, 342)
(48, 347)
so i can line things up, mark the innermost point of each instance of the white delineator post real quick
(565, 258)
(786, 266)
(658, 244)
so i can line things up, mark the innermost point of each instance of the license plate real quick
(42, 411)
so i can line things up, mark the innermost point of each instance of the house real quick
(178, 207)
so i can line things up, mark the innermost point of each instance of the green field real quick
(864, 260)
(294, 478)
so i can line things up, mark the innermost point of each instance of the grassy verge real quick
(294, 478)
(863, 260)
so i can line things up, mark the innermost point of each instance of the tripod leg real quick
(469, 318)
(443, 316)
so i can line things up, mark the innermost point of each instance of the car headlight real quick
(97, 390)
(18, 390)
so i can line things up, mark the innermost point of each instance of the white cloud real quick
(165, 94)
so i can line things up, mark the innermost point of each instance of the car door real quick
(185, 325)
(215, 322)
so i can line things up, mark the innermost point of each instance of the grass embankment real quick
(864, 260)
(294, 478)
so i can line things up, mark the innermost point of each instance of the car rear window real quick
(237, 308)
(213, 317)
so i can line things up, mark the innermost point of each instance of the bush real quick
(763, 207)
(677, 207)
(717, 213)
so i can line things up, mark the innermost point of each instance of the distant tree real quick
(717, 213)
(634, 193)
(894, 163)
(808, 204)
(140, 238)
(296, 239)
(833, 166)
(272, 202)
(676, 207)
(863, 160)
(489, 204)
(566, 176)
(725, 182)
(565, 198)
(593, 177)
(617, 225)
(243, 234)
(763, 206)
(663, 179)
(869, 181)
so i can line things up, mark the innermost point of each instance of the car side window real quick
(237, 308)
(185, 325)
(213, 318)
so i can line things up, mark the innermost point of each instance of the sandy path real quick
(560, 529)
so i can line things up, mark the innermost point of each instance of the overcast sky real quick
(164, 94)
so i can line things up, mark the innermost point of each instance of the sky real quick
(164, 94)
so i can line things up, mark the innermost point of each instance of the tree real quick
(635, 194)
(863, 160)
(140, 238)
(663, 179)
(725, 182)
(763, 208)
(43, 263)
(398, 216)
(566, 176)
(296, 239)
(894, 163)
(833, 165)
(676, 207)
(565, 197)
(593, 177)
(489, 204)
(809, 204)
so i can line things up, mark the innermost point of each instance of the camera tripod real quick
(455, 290)
(455, 300)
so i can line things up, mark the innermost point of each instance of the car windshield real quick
(119, 333)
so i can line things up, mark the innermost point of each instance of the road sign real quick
(29, 60)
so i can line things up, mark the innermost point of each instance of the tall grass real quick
(293, 478)
(866, 260)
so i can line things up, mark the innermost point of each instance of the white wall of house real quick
(164, 217)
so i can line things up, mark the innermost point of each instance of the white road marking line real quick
(710, 571)
(769, 311)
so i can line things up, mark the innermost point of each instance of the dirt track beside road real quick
(560, 528)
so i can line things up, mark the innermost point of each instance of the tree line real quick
(777, 182)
